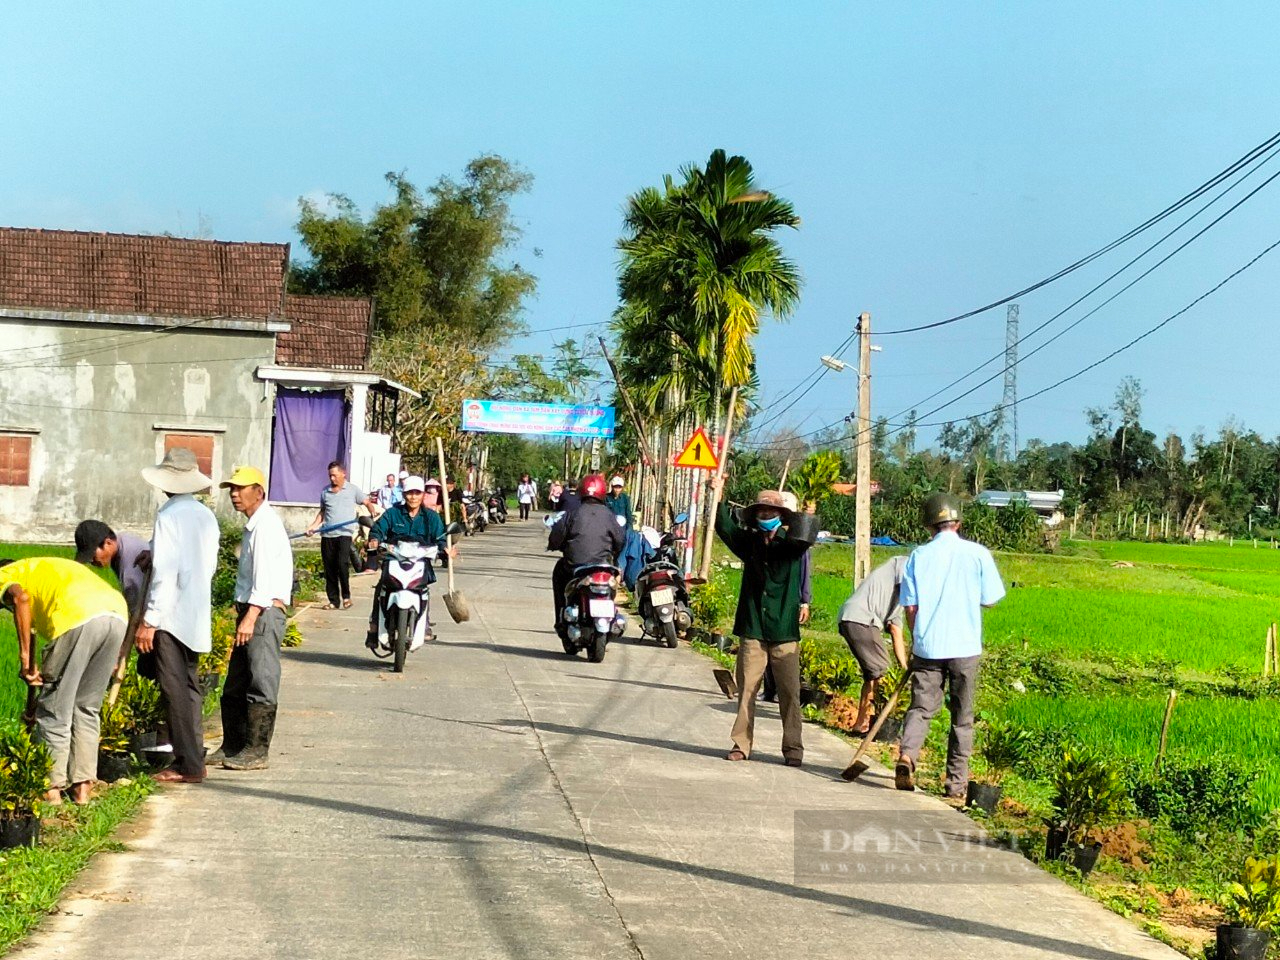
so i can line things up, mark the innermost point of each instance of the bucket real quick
(803, 527)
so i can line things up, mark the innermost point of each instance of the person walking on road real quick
(526, 496)
(770, 692)
(337, 514)
(177, 611)
(945, 584)
(873, 608)
(767, 622)
(84, 618)
(264, 583)
(619, 501)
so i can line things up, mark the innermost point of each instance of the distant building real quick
(116, 348)
(1046, 503)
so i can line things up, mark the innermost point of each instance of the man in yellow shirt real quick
(84, 620)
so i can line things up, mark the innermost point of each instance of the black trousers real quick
(335, 553)
(524, 510)
(183, 701)
(561, 573)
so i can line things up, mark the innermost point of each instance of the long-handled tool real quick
(122, 662)
(857, 767)
(454, 601)
(325, 529)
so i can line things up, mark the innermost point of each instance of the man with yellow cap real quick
(264, 583)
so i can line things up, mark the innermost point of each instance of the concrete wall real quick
(100, 398)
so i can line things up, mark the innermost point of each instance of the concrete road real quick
(500, 799)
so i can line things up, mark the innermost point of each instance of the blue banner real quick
(540, 419)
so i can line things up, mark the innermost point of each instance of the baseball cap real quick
(89, 537)
(413, 483)
(404, 474)
(617, 482)
(244, 477)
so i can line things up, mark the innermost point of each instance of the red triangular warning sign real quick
(698, 453)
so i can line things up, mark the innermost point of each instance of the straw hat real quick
(775, 500)
(178, 472)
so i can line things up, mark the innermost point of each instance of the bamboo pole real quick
(708, 538)
(786, 468)
(1164, 731)
(1268, 651)
(1275, 650)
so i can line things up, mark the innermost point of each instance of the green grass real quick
(32, 879)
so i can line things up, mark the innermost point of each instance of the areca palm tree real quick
(701, 264)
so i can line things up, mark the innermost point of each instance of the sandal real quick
(735, 754)
(328, 606)
(346, 604)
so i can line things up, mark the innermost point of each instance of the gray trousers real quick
(77, 668)
(253, 676)
(960, 676)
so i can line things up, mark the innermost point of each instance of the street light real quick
(831, 363)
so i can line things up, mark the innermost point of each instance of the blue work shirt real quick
(949, 580)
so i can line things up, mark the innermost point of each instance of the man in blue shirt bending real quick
(945, 585)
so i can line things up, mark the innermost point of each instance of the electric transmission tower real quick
(1009, 405)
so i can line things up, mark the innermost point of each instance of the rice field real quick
(1201, 729)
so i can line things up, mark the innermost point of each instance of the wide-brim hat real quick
(774, 500)
(178, 472)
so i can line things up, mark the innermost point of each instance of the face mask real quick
(770, 525)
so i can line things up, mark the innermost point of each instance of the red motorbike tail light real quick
(600, 576)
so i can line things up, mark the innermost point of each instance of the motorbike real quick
(496, 505)
(662, 598)
(477, 515)
(591, 614)
(403, 606)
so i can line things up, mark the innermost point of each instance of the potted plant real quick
(113, 743)
(1003, 747)
(1253, 908)
(891, 729)
(24, 779)
(1088, 791)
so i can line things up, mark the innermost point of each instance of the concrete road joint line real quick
(564, 796)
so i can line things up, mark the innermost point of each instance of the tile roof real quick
(116, 273)
(331, 333)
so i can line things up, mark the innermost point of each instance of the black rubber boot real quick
(235, 731)
(262, 724)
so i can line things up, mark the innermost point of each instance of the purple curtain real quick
(310, 432)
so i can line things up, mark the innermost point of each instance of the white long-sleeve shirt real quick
(265, 572)
(184, 554)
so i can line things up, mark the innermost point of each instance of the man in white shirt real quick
(175, 627)
(264, 583)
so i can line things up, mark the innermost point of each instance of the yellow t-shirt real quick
(64, 594)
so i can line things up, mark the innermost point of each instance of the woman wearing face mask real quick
(768, 618)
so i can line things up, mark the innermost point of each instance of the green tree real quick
(433, 260)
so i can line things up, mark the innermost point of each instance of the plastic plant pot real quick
(113, 766)
(1241, 943)
(890, 731)
(19, 832)
(984, 796)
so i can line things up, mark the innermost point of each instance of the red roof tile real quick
(327, 332)
(116, 273)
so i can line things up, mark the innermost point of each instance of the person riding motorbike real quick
(588, 534)
(408, 521)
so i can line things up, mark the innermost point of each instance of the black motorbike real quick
(591, 614)
(662, 598)
(477, 515)
(496, 507)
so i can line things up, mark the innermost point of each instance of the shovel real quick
(454, 601)
(857, 767)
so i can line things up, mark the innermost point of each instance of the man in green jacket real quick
(767, 623)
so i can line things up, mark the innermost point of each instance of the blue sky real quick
(940, 155)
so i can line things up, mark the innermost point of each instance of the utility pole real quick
(862, 446)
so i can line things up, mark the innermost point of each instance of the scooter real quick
(403, 608)
(662, 598)
(591, 614)
(477, 515)
(496, 504)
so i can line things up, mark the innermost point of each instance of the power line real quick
(965, 376)
(1205, 187)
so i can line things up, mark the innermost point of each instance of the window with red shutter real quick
(201, 444)
(15, 460)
